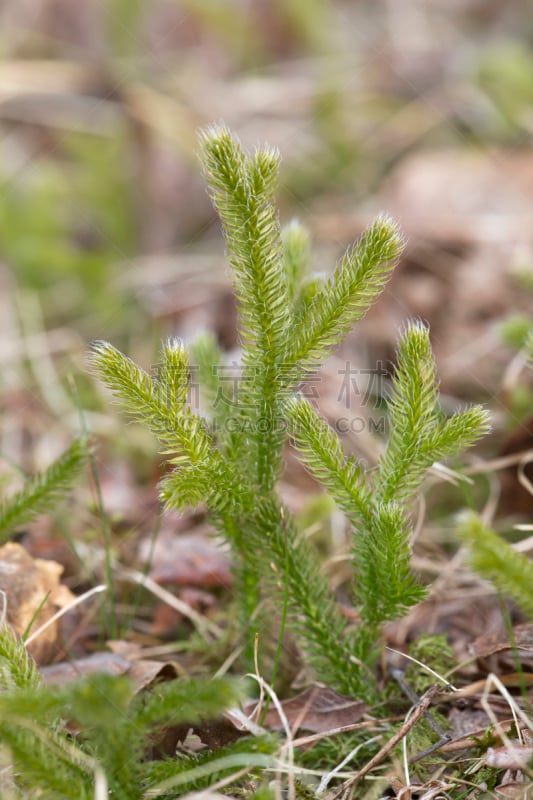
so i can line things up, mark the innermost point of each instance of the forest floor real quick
(107, 232)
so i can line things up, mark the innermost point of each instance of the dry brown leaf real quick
(444, 612)
(145, 671)
(516, 790)
(317, 709)
(142, 672)
(490, 643)
(497, 654)
(33, 595)
(422, 791)
(189, 559)
(515, 757)
(68, 671)
(513, 786)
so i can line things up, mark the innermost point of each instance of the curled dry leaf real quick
(422, 791)
(515, 757)
(33, 595)
(515, 790)
(68, 671)
(142, 672)
(498, 654)
(317, 709)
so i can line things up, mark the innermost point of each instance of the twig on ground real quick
(417, 712)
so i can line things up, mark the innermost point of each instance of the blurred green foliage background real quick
(106, 229)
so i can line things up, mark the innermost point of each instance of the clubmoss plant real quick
(41, 757)
(490, 555)
(495, 559)
(42, 491)
(231, 459)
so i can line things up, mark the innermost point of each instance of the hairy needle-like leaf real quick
(202, 472)
(200, 770)
(184, 434)
(296, 251)
(346, 296)
(242, 188)
(419, 432)
(316, 616)
(17, 667)
(173, 375)
(186, 701)
(192, 484)
(321, 451)
(413, 415)
(115, 728)
(386, 586)
(461, 430)
(41, 492)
